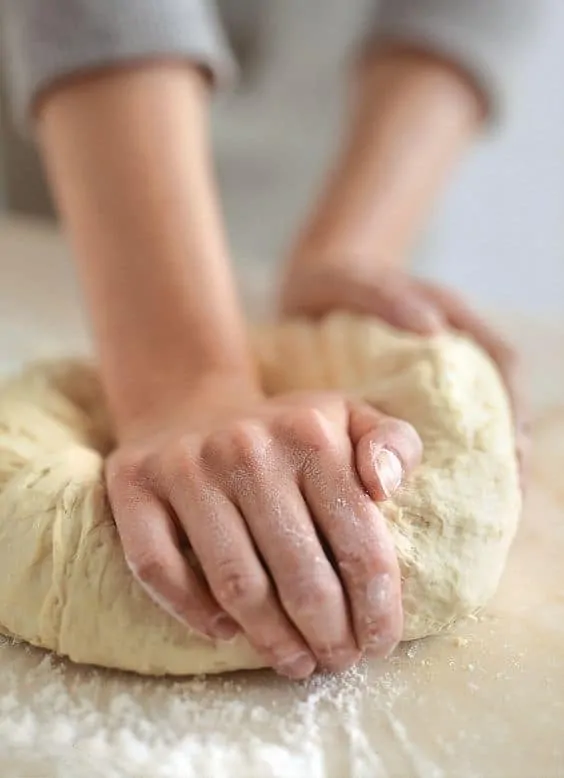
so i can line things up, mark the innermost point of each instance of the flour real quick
(58, 721)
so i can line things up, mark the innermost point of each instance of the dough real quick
(64, 584)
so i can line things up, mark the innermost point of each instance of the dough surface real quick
(64, 584)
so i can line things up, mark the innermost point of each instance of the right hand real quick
(275, 498)
(317, 285)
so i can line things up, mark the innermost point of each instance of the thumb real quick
(387, 450)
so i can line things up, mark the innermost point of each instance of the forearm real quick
(413, 116)
(127, 154)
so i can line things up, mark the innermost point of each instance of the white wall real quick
(499, 234)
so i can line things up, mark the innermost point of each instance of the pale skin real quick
(277, 498)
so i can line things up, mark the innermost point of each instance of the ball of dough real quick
(64, 584)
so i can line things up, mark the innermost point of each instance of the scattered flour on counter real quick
(58, 721)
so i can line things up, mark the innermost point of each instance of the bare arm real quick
(412, 117)
(129, 161)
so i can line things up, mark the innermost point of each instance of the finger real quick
(389, 296)
(362, 547)
(387, 450)
(221, 542)
(151, 549)
(308, 586)
(462, 317)
(398, 304)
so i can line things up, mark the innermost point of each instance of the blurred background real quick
(499, 232)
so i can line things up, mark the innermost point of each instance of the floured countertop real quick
(487, 702)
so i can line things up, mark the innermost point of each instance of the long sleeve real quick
(487, 38)
(48, 40)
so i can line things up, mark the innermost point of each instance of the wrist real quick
(191, 401)
(320, 272)
(316, 284)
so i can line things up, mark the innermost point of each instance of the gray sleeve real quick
(48, 40)
(487, 38)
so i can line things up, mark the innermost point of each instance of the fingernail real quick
(224, 628)
(340, 660)
(389, 470)
(296, 666)
(380, 646)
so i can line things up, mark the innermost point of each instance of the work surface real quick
(487, 702)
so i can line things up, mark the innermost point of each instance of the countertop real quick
(487, 702)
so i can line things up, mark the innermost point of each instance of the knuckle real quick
(147, 567)
(123, 471)
(359, 568)
(310, 428)
(240, 443)
(182, 457)
(181, 467)
(239, 589)
(310, 594)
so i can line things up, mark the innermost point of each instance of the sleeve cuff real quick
(486, 38)
(50, 40)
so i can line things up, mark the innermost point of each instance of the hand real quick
(273, 497)
(407, 303)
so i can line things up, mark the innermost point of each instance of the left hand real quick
(405, 302)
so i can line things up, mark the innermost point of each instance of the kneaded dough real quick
(64, 584)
